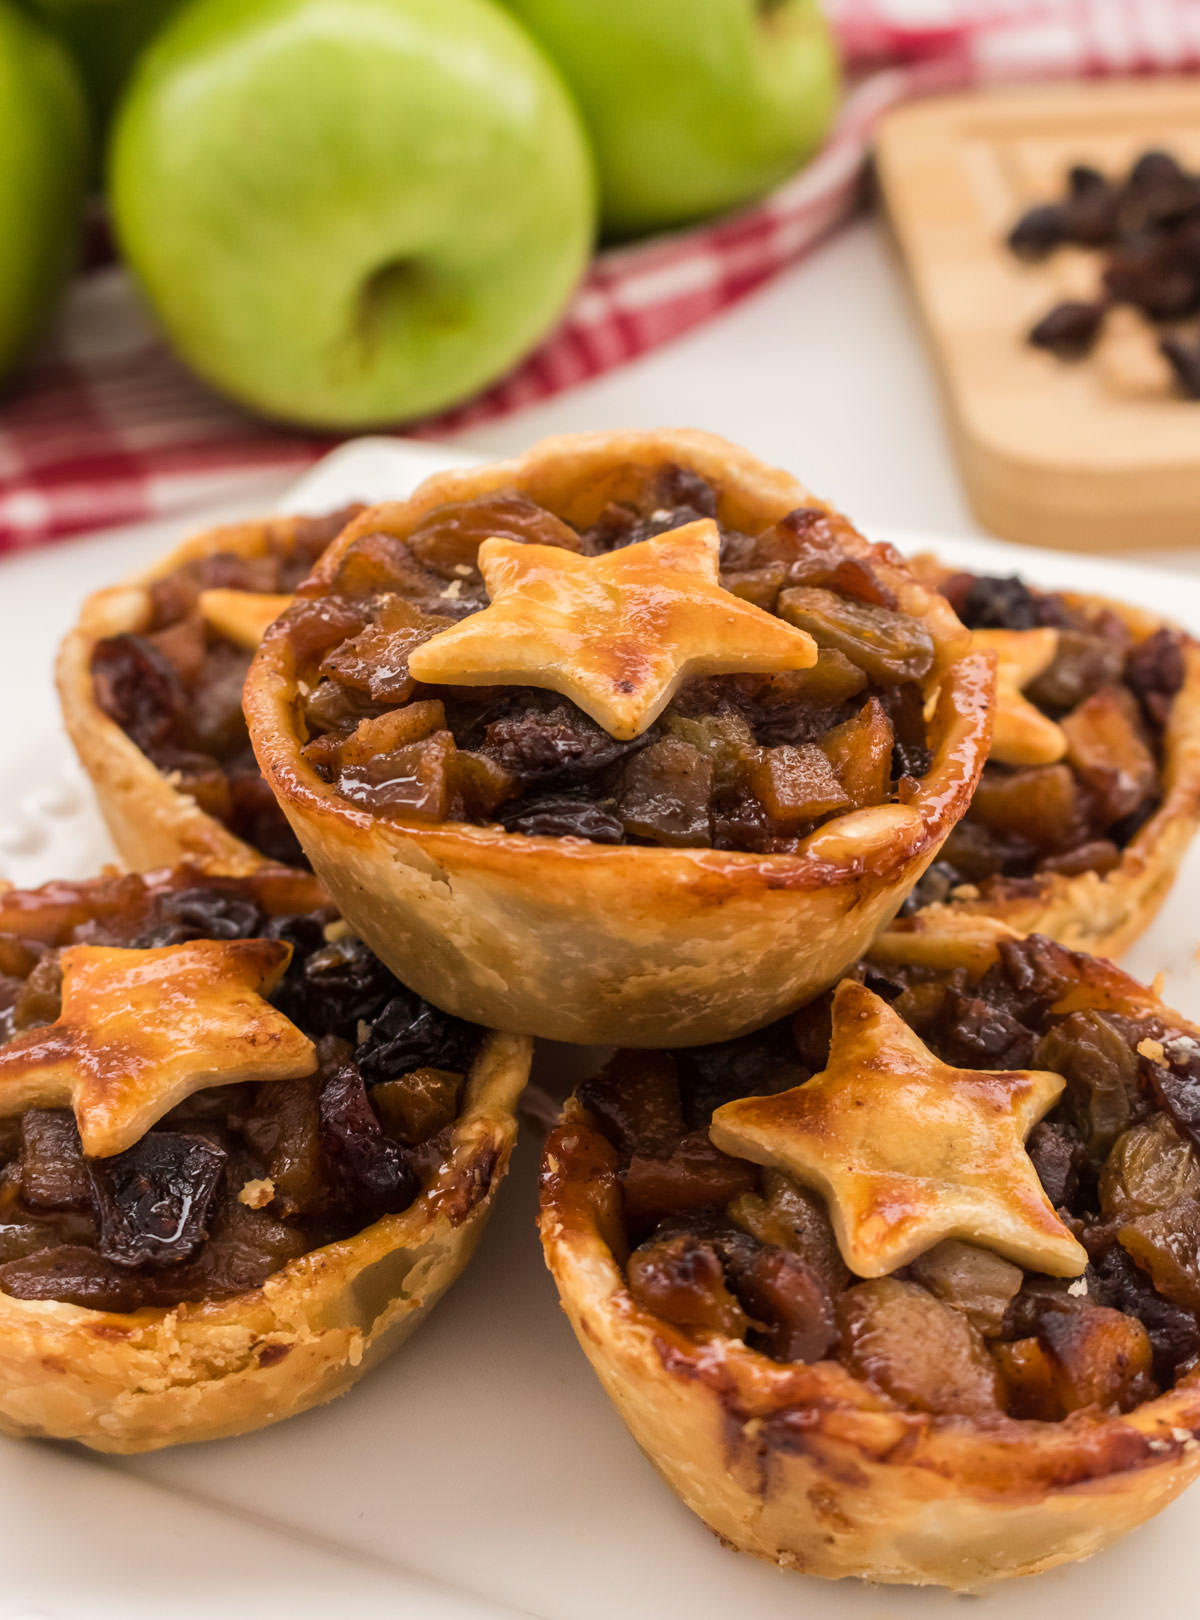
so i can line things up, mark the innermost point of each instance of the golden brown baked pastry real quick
(677, 873)
(150, 684)
(1009, 1378)
(1092, 791)
(322, 1172)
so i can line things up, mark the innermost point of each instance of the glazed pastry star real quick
(140, 1030)
(1023, 735)
(908, 1150)
(242, 616)
(616, 634)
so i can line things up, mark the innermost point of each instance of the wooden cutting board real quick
(1089, 454)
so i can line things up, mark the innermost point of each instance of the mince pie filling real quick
(741, 762)
(1110, 698)
(717, 1245)
(175, 688)
(237, 1179)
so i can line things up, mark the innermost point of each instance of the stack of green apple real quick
(353, 212)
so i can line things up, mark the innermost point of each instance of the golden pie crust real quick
(638, 946)
(137, 1381)
(1104, 913)
(805, 1465)
(150, 819)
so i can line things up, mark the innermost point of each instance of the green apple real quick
(351, 212)
(692, 105)
(43, 138)
(104, 38)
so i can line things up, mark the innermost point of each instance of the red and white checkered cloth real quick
(107, 427)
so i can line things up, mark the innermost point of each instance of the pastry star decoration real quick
(616, 634)
(141, 1030)
(1023, 735)
(908, 1150)
(242, 616)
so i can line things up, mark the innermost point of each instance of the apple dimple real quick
(352, 215)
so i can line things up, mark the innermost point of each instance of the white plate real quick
(481, 1472)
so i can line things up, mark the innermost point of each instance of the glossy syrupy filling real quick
(175, 688)
(239, 1179)
(735, 762)
(1112, 695)
(717, 1246)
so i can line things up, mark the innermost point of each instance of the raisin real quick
(1147, 273)
(1166, 1244)
(1153, 170)
(1070, 329)
(1092, 207)
(185, 914)
(538, 744)
(1154, 672)
(1058, 1156)
(1039, 231)
(376, 1173)
(1174, 1332)
(791, 1304)
(447, 541)
(303, 931)
(215, 716)
(993, 602)
(153, 1200)
(1184, 361)
(635, 1099)
(1101, 1072)
(1150, 1168)
(411, 1034)
(676, 496)
(889, 646)
(139, 688)
(905, 706)
(340, 985)
(979, 1035)
(752, 1066)
(314, 626)
(562, 815)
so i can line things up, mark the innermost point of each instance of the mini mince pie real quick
(239, 1159)
(150, 682)
(906, 1286)
(1091, 793)
(628, 739)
